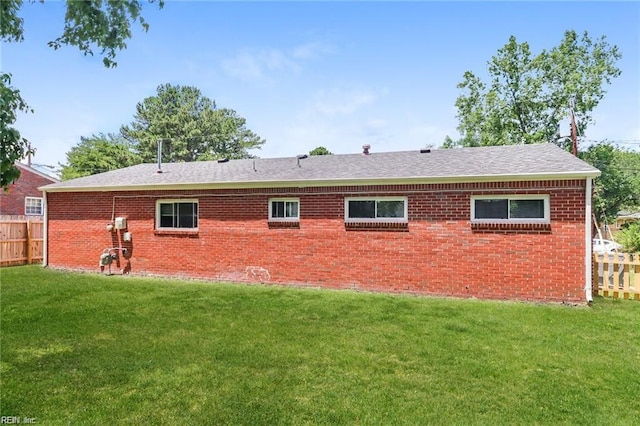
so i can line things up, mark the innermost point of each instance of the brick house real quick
(509, 222)
(23, 198)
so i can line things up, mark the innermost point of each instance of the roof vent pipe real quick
(426, 149)
(159, 156)
(365, 149)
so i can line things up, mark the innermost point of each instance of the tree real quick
(449, 143)
(192, 126)
(101, 24)
(320, 150)
(628, 162)
(612, 190)
(97, 154)
(629, 237)
(528, 96)
(13, 146)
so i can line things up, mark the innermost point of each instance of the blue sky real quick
(305, 74)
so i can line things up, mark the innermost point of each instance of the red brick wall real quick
(12, 201)
(439, 252)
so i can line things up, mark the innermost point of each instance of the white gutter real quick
(312, 183)
(588, 254)
(45, 225)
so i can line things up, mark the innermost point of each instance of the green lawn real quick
(91, 349)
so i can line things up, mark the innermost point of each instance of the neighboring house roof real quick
(625, 215)
(17, 199)
(623, 218)
(36, 171)
(47, 170)
(513, 162)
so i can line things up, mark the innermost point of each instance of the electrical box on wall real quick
(121, 223)
(126, 236)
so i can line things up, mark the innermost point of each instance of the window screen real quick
(376, 209)
(516, 208)
(178, 215)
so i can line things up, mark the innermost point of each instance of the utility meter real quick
(121, 223)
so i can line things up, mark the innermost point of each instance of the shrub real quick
(630, 237)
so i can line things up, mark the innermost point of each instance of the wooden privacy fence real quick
(617, 275)
(21, 241)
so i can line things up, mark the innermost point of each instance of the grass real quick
(91, 349)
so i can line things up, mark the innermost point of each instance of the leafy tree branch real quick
(101, 24)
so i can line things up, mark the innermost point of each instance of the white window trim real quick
(404, 219)
(172, 201)
(544, 197)
(283, 219)
(26, 200)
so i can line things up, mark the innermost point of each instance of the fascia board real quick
(331, 182)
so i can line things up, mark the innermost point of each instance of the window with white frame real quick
(33, 206)
(377, 209)
(177, 214)
(284, 209)
(510, 209)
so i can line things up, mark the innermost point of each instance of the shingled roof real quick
(496, 163)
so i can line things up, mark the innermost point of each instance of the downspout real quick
(45, 230)
(588, 254)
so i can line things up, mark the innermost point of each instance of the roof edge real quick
(332, 182)
(37, 172)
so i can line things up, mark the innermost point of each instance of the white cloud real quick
(312, 50)
(343, 102)
(245, 66)
(342, 120)
(258, 65)
(277, 60)
(377, 123)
